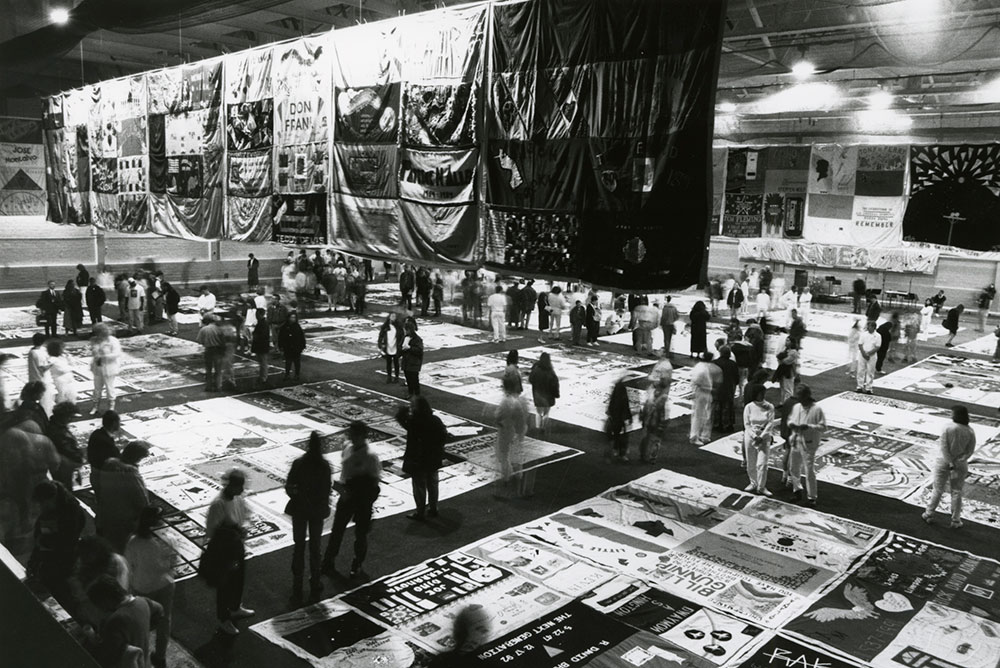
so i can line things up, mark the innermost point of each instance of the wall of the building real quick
(962, 279)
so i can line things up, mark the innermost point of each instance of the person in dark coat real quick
(859, 290)
(514, 306)
(101, 447)
(425, 439)
(723, 401)
(619, 420)
(95, 299)
(888, 330)
(390, 341)
(253, 272)
(260, 346)
(73, 304)
(82, 277)
(70, 454)
(593, 321)
(360, 474)
(407, 280)
(543, 313)
(544, 388)
(765, 279)
(127, 623)
(308, 488)
(699, 328)
(951, 323)
(423, 285)
(528, 297)
(874, 309)
(123, 495)
(437, 294)
(412, 356)
(577, 319)
(171, 306)
(50, 303)
(292, 341)
(30, 407)
(57, 531)
(735, 299)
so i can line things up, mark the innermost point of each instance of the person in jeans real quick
(225, 529)
(806, 423)
(360, 474)
(210, 337)
(425, 439)
(308, 489)
(957, 443)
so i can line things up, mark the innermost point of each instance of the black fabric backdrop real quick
(603, 110)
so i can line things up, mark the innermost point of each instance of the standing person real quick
(73, 305)
(512, 373)
(360, 474)
(292, 341)
(577, 319)
(123, 495)
(735, 299)
(869, 342)
(938, 300)
(57, 531)
(528, 297)
(701, 414)
(874, 308)
(50, 303)
(715, 295)
(101, 447)
(886, 331)
(121, 291)
(478, 290)
(911, 329)
(543, 314)
(725, 395)
(124, 634)
(788, 368)
(511, 418)
(668, 317)
(339, 272)
(308, 488)
(260, 346)
(151, 576)
(82, 277)
(763, 304)
(765, 279)
(556, 306)
(135, 301)
(985, 299)
(655, 416)
(156, 298)
(105, 360)
(210, 337)
(411, 356)
(859, 290)
(95, 299)
(498, 314)
(206, 301)
(466, 285)
(594, 317)
(223, 564)
(425, 439)
(698, 324)
(277, 315)
(957, 443)
(63, 382)
(407, 281)
(805, 304)
(853, 338)
(437, 294)
(544, 388)
(796, 327)
(390, 338)
(70, 454)
(253, 272)
(514, 305)
(806, 422)
(758, 417)
(618, 421)
(753, 280)
(926, 314)
(423, 285)
(171, 306)
(951, 323)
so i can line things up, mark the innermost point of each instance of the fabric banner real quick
(157, 153)
(301, 86)
(877, 221)
(833, 169)
(299, 220)
(250, 173)
(719, 158)
(438, 177)
(828, 218)
(54, 138)
(104, 175)
(250, 125)
(954, 196)
(744, 171)
(366, 170)
(249, 218)
(367, 225)
(23, 179)
(743, 215)
(541, 175)
(512, 103)
(102, 123)
(133, 175)
(104, 210)
(185, 88)
(544, 243)
(186, 132)
(367, 55)
(133, 212)
(301, 169)
(22, 167)
(368, 115)
(787, 170)
(132, 136)
(881, 171)
(439, 114)
(248, 76)
(922, 261)
(439, 234)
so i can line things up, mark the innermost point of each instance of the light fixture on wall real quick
(59, 15)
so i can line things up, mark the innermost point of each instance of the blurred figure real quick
(957, 443)
(806, 422)
(853, 354)
(27, 457)
(73, 304)
(70, 454)
(655, 416)
(260, 346)
(151, 572)
(105, 356)
(58, 527)
(512, 373)
(701, 414)
(171, 306)
(425, 439)
(124, 634)
(511, 417)
(411, 356)
(292, 342)
(223, 564)
(360, 475)
(497, 304)
(472, 628)
(63, 381)
(698, 323)
(951, 324)
(618, 421)
(544, 388)
(123, 494)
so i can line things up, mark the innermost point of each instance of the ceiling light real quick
(803, 69)
(727, 107)
(815, 96)
(59, 15)
(883, 120)
(880, 99)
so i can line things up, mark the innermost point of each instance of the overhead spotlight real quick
(879, 99)
(726, 107)
(803, 70)
(59, 15)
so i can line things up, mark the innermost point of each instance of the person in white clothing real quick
(868, 344)
(853, 355)
(758, 417)
(753, 283)
(497, 304)
(39, 368)
(151, 575)
(105, 352)
(206, 301)
(745, 306)
(62, 375)
(225, 528)
(805, 305)
(806, 422)
(926, 313)
(701, 415)
(763, 303)
(557, 304)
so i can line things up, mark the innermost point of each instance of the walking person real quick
(73, 308)
(425, 439)
(528, 298)
(70, 454)
(105, 361)
(618, 421)
(407, 281)
(171, 306)
(260, 346)
(544, 389)
(698, 324)
(859, 291)
(723, 401)
(411, 356)
(985, 299)
(701, 413)
(735, 299)
(511, 418)
(869, 342)
(951, 323)
(957, 443)
(853, 338)
(151, 575)
(655, 416)
(308, 486)
(556, 306)
(926, 316)
(127, 620)
(594, 317)
(806, 422)
(758, 417)
(95, 298)
(498, 314)
(123, 494)
(668, 316)
(788, 368)
(887, 330)
(360, 474)
(223, 564)
(292, 342)
(911, 330)
(63, 381)
(512, 373)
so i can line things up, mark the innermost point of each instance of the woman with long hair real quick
(758, 417)
(699, 328)
(512, 374)
(544, 388)
(105, 356)
(390, 338)
(62, 375)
